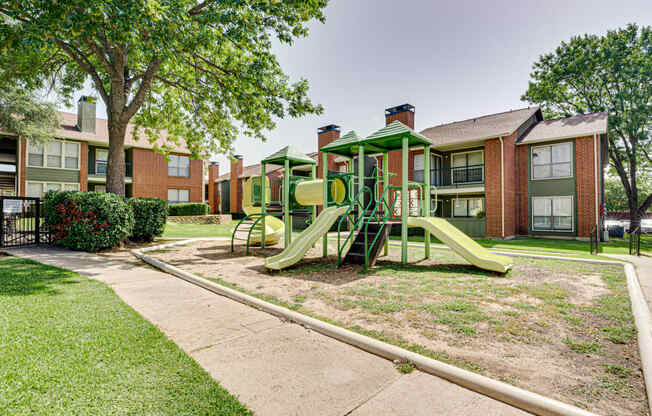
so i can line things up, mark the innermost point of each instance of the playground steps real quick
(356, 253)
(243, 230)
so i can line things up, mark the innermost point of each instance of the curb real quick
(523, 399)
(641, 314)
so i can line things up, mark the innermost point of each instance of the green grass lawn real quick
(69, 346)
(571, 247)
(174, 230)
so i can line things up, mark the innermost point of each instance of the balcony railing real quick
(100, 169)
(462, 175)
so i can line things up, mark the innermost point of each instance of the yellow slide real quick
(274, 227)
(462, 244)
(302, 243)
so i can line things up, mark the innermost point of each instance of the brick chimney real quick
(326, 135)
(235, 188)
(86, 113)
(213, 173)
(405, 114)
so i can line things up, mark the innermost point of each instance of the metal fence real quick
(21, 222)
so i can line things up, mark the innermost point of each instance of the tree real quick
(610, 73)
(202, 70)
(25, 115)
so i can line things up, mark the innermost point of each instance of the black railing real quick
(460, 175)
(21, 222)
(100, 169)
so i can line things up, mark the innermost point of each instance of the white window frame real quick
(552, 229)
(572, 162)
(62, 156)
(177, 190)
(101, 149)
(179, 176)
(44, 185)
(484, 208)
(452, 166)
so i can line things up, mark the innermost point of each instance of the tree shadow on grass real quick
(22, 277)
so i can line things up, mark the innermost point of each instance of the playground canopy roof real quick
(295, 157)
(386, 139)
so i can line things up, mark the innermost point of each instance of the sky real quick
(452, 60)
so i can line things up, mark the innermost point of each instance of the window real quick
(553, 161)
(54, 154)
(342, 168)
(100, 188)
(552, 213)
(435, 165)
(38, 189)
(72, 155)
(469, 207)
(179, 166)
(101, 158)
(467, 167)
(35, 154)
(176, 196)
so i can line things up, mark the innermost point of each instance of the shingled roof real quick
(563, 128)
(68, 130)
(479, 128)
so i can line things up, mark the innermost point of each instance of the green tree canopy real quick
(610, 73)
(26, 115)
(202, 70)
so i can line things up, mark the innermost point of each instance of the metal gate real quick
(21, 222)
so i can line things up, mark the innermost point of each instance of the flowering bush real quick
(150, 215)
(87, 221)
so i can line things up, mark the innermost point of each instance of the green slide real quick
(302, 243)
(462, 244)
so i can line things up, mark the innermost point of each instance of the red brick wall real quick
(395, 161)
(23, 167)
(585, 178)
(322, 140)
(493, 224)
(151, 177)
(83, 167)
(213, 173)
(236, 186)
(509, 152)
(522, 198)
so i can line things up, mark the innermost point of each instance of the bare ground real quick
(561, 329)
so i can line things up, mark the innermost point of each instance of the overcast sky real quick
(452, 60)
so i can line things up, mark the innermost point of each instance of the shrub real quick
(87, 221)
(150, 216)
(189, 208)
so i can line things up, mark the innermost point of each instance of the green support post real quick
(404, 200)
(426, 194)
(314, 207)
(361, 179)
(263, 200)
(351, 187)
(386, 197)
(286, 203)
(324, 169)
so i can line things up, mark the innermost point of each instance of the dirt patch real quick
(562, 329)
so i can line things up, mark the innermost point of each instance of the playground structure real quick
(364, 208)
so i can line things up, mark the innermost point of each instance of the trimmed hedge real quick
(150, 216)
(88, 221)
(188, 208)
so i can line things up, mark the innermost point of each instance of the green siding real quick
(91, 160)
(552, 187)
(52, 175)
(474, 227)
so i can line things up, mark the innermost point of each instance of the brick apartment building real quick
(499, 176)
(77, 160)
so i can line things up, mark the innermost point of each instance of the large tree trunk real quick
(115, 172)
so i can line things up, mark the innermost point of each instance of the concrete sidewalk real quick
(643, 265)
(276, 368)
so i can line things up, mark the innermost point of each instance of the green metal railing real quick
(357, 200)
(376, 214)
(255, 226)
